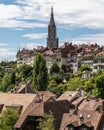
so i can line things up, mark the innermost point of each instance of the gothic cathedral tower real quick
(52, 40)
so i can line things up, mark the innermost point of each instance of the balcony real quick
(87, 62)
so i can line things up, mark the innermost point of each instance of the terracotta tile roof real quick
(58, 108)
(69, 95)
(9, 99)
(101, 53)
(46, 95)
(75, 123)
(31, 109)
(89, 124)
(35, 108)
(48, 52)
(101, 125)
(88, 119)
(24, 88)
(78, 101)
(91, 104)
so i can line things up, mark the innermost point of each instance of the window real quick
(58, 60)
(70, 128)
(84, 128)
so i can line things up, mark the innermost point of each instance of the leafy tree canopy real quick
(63, 68)
(85, 67)
(46, 122)
(24, 71)
(75, 83)
(8, 119)
(99, 82)
(55, 68)
(7, 82)
(40, 73)
(57, 78)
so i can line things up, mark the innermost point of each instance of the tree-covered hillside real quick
(57, 81)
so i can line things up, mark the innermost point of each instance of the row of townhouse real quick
(52, 56)
(73, 56)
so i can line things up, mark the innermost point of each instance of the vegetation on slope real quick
(57, 81)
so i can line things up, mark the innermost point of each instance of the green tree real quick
(75, 83)
(24, 72)
(63, 68)
(55, 68)
(60, 89)
(46, 122)
(85, 67)
(7, 82)
(40, 73)
(99, 82)
(56, 78)
(99, 72)
(13, 77)
(89, 85)
(8, 119)
(52, 85)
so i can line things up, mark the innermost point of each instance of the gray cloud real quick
(76, 13)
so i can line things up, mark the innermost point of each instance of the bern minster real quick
(53, 86)
(52, 40)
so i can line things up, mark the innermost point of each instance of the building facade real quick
(72, 55)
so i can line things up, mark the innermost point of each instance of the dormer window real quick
(15, 106)
(84, 128)
(70, 128)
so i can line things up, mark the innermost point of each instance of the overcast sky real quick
(23, 23)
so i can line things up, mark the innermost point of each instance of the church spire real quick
(51, 10)
(52, 40)
(52, 22)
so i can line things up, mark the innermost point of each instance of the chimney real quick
(37, 98)
(82, 92)
(81, 119)
(72, 110)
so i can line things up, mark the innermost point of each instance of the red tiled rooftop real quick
(88, 119)
(90, 104)
(36, 107)
(68, 95)
(9, 99)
